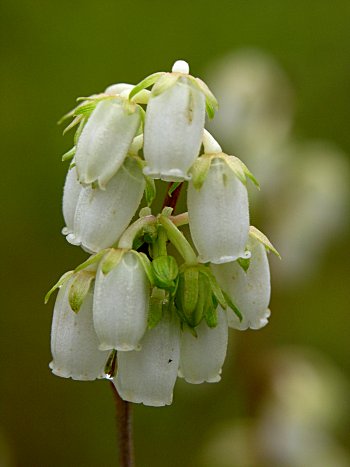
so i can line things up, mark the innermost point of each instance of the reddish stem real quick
(124, 424)
(170, 201)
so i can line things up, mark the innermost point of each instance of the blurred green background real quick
(53, 52)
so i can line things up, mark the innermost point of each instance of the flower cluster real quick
(132, 312)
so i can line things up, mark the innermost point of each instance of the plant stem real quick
(124, 422)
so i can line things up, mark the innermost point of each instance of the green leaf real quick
(69, 154)
(145, 83)
(58, 284)
(155, 312)
(255, 233)
(79, 289)
(199, 171)
(232, 306)
(147, 265)
(111, 259)
(164, 83)
(150, 190)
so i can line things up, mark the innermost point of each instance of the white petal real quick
(173, 131)
(201, 358)
(74, 344)
(102, 215)
(105, 141)
(219, 215)
(149, 376)
(250, 290)
(71, 192)
(121, 305)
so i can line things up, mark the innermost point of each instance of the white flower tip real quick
(223, 259)
(62, 373)
(180, 66)
(171, 175)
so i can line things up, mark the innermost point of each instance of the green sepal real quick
(239, 169)
(111, 259)
(147, 265)
(199, 171)
(216, 289)
(79, 130)
(150, 190)
(173, 187)
(165, 271)
(211, 104)
(145, 83)
(187, 291)
(244, 263)
(155, 311)
(130, 107)
(232, 306)
(211, 316)
(92, 260)
(164, 83)
(110, 369)
(255, 233)
(79, 289)
(69, 154)
(86, 108)
(73, 123)
(58, 284)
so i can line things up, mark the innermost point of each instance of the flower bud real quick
(249, 290)
(202, 357)
(121, 300)
(173, 130)
(149, 376)
(105, 140)
(101, 216)
(74, 344)
(218, 215)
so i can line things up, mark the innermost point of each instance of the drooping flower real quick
(105, 140)
(71, 193)
(74, 343)
(149, 376)
(121, 300)
(101, 216)
(174, 125)
(202, 356)
(218, 214)
(250, 289)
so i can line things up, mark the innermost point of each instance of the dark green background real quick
(53, 52)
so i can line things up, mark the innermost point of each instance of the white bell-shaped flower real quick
(250, 290)
(219, 215)
(71, 192)
(101, 216)
(121, 301)
(105, 140)
(149, 376)
(74, 343)
(202, 357)
(173, 131)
